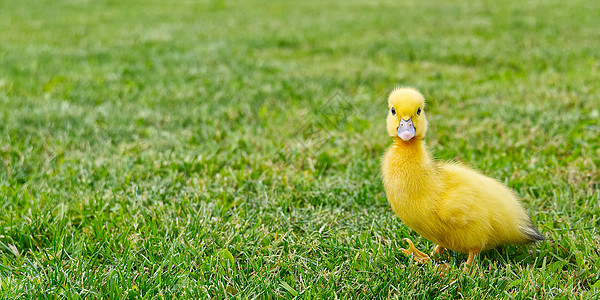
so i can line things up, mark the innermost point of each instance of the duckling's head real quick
(406, 114)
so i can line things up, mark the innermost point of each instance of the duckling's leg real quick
(417, 255)
(472, 254)
(438, 250)
(469, 267)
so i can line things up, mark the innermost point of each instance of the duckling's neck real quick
(411, 156)
(409, 173)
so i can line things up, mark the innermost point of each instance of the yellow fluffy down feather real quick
(447, 203)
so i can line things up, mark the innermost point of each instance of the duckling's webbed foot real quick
(437, 251)
(417, 255)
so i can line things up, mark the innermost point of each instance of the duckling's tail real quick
(532, 234)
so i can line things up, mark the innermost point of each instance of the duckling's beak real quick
(406, 129)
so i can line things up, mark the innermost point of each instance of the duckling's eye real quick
(419, 111)
(393, 111)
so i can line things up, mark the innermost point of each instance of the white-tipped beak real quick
(406, 129)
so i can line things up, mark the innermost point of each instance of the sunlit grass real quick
(212, 149)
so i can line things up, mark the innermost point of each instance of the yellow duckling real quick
(447, 203)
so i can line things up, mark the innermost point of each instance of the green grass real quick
(152, 149)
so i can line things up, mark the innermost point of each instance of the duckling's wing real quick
(458, 208)
(459, 203)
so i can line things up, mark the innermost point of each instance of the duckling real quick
(447, 203)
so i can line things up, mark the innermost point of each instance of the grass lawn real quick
(152, 149)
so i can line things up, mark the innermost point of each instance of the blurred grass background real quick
(152, 149)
